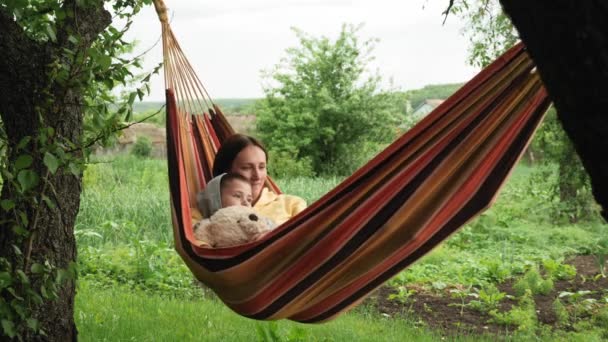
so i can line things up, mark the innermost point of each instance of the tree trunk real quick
(26, 105)
(568, 41)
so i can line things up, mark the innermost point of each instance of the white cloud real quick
(229, 42)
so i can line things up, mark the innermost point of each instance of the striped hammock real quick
(399, 206)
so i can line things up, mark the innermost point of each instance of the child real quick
(223, 191)
(226, 190)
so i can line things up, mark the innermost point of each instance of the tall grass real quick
(126, 198)
(123, 199)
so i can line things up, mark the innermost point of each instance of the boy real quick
(225, 190)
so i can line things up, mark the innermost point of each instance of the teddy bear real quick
(231, 226)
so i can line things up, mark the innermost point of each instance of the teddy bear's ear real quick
(202, 232)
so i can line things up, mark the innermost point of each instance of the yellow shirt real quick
(278, 208)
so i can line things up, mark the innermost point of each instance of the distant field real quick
(229, 106)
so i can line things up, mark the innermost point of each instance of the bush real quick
(142, 147)
(283, 164)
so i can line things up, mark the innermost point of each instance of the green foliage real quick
(461, 293)
(123, 314)
(155, 115)
(320, 106)
(581, 304)
(147, 265)
(489, 29)
(601, 255)
(489, 298)
(559, 271)
(562, 174)
(533, 282)
(142, 147)
(124, 199)
(80, 74)
(491, 34)
(561, 313)
(523, 316)
(403, 295)
(601, 318)
(124, 240)
(282, 164)
(432, 91)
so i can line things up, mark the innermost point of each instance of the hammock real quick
(400, 205)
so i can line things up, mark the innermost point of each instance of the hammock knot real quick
(161, 10)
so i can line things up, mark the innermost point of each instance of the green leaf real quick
(23, 277)
(19, 230)
(109, 83)
(140, 94)
(7, 204)
(12, 291)
(73, 39)
(28, 179)
(45, 293)
(24, 219)
(37, 268)
(23, 142)
(23, 162)
(51, 33)
(49, 202)
(17, 250)
(33, 324)
(5, 280)
(17, 305)
(51, 162)
(75, 169)
(9, 328)
(34, 297)
(104, 61)
(132, 98)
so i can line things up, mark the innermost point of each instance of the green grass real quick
(133, 286)
(125, 315)
(122, 314)
(123, 199)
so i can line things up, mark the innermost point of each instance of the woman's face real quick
(251, 164)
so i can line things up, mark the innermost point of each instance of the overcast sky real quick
(230, 41)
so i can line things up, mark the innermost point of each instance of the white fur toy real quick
(231, 226)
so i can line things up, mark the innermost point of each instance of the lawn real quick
(487, 278)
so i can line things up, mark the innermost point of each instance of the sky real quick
(229, 42)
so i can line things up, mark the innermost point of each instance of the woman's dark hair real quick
(229, 150)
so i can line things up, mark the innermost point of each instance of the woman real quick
(247, 156)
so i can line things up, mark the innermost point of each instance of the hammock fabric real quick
(404, 202)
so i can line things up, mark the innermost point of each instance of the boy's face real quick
(236, 192)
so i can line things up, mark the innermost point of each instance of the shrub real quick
(283, 164)
(142, 147)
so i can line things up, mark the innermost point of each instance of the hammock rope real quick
(388, 214)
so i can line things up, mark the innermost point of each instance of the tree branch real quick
(102, 135)
(447, 11)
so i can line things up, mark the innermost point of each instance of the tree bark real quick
(568, 41)
(25, 102)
